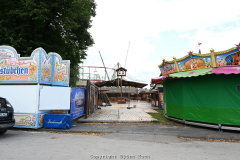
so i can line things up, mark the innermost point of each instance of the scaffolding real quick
(94, 77)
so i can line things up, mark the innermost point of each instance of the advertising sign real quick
(13, 69)
(78, 102)
(40, 67)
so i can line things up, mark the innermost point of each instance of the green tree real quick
(56, 25)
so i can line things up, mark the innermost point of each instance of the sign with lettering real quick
(40, 67)
(78, 102)
(16, 69)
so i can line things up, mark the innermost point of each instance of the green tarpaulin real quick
(209, 98)
(192, 73)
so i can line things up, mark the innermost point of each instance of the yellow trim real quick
(165, 63)
(224, 52)
(212, 54)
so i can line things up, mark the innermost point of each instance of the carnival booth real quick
(34, 85)
(203, 89)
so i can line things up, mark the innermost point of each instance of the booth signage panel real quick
(23, 98)
(40, 67)
(46, 68)
(14, 69)
(60, 71)
(78, 102)
(54, 98)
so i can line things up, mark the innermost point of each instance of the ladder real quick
(105, 99)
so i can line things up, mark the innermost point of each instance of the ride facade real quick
(203, 89)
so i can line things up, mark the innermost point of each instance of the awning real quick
(192, 73)
(198, 72)
(159, 79)
(226, 70)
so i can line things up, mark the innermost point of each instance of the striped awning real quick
(198, 72)
(159, 79)
(192, 73)
(226, 70)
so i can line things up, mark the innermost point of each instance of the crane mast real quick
(126, 56)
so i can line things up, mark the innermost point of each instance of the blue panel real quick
(58, 121)
(78, 102)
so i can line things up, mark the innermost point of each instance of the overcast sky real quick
(158, 29)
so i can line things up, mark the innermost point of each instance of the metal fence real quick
(91, 98)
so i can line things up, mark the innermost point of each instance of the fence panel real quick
(91, 98)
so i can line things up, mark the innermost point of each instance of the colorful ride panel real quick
(230, 57)
(205, 88)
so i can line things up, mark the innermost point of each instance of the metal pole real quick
(104, 66)
(105, 75)
(89, 73)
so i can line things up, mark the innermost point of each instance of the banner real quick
(78, 102)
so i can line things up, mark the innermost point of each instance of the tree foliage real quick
(59, 26)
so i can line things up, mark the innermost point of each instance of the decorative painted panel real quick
(16, 69)
(28, 120)
(229, 59)
(168, 68)
(61, 71)
(193, 61)
(46, 68)
(40, 67)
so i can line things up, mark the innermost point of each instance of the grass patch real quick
(159, 116)
(161, 119)
(209, 139)
(89, 132)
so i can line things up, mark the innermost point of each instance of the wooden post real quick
(121, 87)
(87, 100)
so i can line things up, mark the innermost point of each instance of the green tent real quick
(209, 98)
